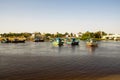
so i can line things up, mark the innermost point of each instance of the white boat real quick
(92, 43)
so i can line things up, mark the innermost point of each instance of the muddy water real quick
(42, 61)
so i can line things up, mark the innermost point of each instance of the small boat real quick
(38, 40)
(72, 41)
(6, 40)
(91, 42)
(57, 42)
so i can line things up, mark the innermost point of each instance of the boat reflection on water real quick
(91, 50)
(73, 49)
(60, 49)
(67, 49)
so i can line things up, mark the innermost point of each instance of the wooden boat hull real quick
(38, 40)
(91, 44)
(17, 41)
(75, 43)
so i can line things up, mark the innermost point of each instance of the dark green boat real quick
(71, 41)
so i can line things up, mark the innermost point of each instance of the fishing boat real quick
(72, 41)
(91, 42)
(57, 42)
(38, 40)
(14, 40)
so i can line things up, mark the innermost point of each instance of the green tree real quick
(87, 35)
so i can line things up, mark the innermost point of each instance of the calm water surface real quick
(105, 49)
(42, 61)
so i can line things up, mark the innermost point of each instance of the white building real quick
(112, 37)
(33, 35)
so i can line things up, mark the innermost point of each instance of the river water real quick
(42, 61)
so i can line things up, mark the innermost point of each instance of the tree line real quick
(82, 36)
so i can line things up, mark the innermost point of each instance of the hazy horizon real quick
(51, 16)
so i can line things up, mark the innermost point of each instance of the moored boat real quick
(57, 42)
(72, 41)
(38, 40)
(91, 42)
(13, 40)
(75, 41)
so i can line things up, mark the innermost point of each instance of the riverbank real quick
(14, 67)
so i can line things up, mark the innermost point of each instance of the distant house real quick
(112, 37)
(79, 34)
(33, 35)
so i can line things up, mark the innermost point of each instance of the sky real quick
(53, 16)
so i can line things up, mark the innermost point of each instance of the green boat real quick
(71, 41)
(57, 42)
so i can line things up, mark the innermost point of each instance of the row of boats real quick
(73, 41)
(55, 42)
(61, 42)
